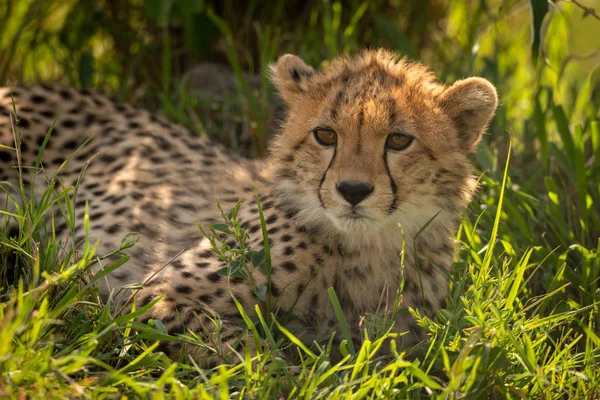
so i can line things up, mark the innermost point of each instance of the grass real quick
(522, 319)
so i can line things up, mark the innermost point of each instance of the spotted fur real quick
(148, 175)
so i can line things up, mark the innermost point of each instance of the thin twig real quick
(150, 278)
(586, 10)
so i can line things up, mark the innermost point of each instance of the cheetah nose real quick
(354, 192)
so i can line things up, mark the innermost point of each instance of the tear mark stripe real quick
(394, 205)
(325, 175)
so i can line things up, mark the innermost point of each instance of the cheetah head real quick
(375, 140)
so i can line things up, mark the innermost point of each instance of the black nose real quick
(354, 192)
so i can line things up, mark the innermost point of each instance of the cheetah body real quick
(146, 175)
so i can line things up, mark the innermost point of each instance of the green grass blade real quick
(339, 313)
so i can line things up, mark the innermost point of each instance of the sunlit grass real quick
(522, 318)
(494, 337)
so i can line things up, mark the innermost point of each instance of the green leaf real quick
(220, 227)
(487, 259)
(562, 124)
(295, 340)
(539, 9)
(134, 314)
(235, 265)
(518, 279)
(258, 258)
(200, 33)
(234, 269)
(158, 324)
(40, 154)
(129, 240)
(260, 292)
(595, 138)
(339, 313)
(238, 273)
(580, 169)
(538, 120)
(423, 377)
(108, 269)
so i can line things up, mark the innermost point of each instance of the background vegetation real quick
(522, 319)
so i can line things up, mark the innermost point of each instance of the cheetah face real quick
(376, 139)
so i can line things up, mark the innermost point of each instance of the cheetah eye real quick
(398, 141)
(325, 137)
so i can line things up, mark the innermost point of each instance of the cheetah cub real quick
(371, 143)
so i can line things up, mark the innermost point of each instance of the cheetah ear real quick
(471, 104)
(291, 75)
